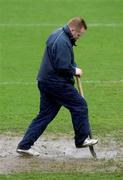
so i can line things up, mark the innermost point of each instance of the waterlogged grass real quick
(61, 176)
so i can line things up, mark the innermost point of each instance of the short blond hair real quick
(77, 22)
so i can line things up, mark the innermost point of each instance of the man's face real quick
(77, 33)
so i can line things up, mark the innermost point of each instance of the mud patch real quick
(60, 155)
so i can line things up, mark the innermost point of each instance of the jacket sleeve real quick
(62, 60)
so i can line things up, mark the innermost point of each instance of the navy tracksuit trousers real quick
(52, 97)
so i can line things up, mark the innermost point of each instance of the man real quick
(55, 83)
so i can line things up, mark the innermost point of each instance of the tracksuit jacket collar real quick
(67, 31)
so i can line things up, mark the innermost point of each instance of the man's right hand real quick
(78, 72)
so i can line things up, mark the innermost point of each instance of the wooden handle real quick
(79, 86)
(90, 133)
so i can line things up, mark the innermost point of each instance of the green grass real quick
(24, 29)
(54, 176)
(105, 104)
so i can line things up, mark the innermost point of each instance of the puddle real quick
(58, 155)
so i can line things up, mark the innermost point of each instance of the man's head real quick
(77, 27)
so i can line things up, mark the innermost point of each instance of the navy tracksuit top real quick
(58, 61)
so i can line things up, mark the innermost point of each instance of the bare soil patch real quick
(60, 155)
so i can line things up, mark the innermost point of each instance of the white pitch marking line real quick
(53, 24)
(86, 81)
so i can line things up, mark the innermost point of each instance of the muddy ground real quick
(60, 155)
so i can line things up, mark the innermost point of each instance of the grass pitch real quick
(24, 28)
(66, 176)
